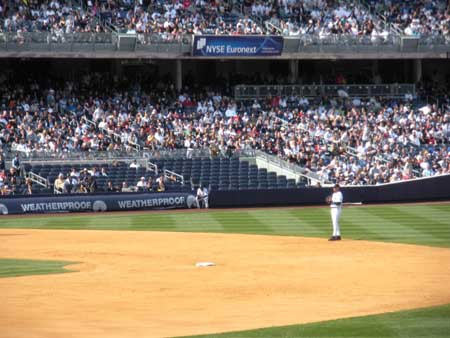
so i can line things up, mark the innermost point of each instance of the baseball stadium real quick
(225, 168)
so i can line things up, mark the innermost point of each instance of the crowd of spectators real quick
(11, 181)
(89, 181)
(339, 139)
(56, 16)
(319, 17)
(420, 17)
(173, 20)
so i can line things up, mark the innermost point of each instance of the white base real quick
(204, 264)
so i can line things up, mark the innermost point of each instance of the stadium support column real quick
(417, 70)
(293, 71)
(375, 71)
(178, 75)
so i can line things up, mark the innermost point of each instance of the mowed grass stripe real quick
(438, 217)
(317, 224)
(425, 323)
(285, 224)
(420, 224)
(385, 229)
(234, 224)
(164, 222)
(198, 222)
(353, 225)
(24, 267)
(416, 222)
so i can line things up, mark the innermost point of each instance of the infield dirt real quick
(145, 284)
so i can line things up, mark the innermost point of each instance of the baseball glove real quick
(328, 199)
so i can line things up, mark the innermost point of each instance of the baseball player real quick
(335, 201)
(205, 197)
(200, 196)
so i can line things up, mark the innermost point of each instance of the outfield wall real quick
(426, 189)
(95, 202)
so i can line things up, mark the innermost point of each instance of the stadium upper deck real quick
(167, 27)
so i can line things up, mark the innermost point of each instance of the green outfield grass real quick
(415, 224)
(424, 323)
(25, 267)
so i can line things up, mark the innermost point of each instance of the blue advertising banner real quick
(100, 202)
(237, 45)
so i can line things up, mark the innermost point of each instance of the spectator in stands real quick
(84, 182)
(74, 173)
(84, 173)
(141, 184)
(71, 185)
(103, 172)
(161, 183)
(67, 188)
(5, 190)
(149, 185)
(91, 184)
(94, 172)
(110, 187)
(16, 162)
(3, 178)
(28, 187)
(134, 165)
(2, 162)
(59, 183)
(126, 188)
(13, 173)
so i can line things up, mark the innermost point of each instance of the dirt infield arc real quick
(145, 284)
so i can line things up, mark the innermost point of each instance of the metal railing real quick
(118, 155)
(341, 44)
(55, 41)
(310, 176)
(272, 27)
(76, 156)
(152, 167)
(152, 39)
(38, 179)
(182, 44)
(247, 92)
(195, 153)
(172, 174)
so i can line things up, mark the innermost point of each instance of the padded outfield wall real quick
(426, 189)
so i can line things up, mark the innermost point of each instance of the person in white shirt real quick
(199, 196)
(134, 164)
(205, 197)
(335, 201)
(140, 185)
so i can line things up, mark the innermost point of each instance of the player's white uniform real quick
(205, 197)
(199, 197)
(336, 208)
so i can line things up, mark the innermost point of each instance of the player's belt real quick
(336, 204)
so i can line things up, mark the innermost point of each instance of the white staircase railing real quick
(150, 166)
(171, 175)
(38, 179)
(282, 167)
